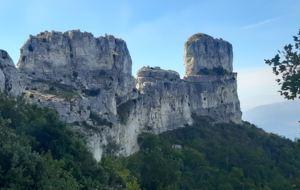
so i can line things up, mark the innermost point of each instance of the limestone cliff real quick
(203, 51)
(9, 76)
(88, 80)
(211, 82)
(77, 74)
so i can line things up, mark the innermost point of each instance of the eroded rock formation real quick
(9, 76)
(89, 82)
(203, 51)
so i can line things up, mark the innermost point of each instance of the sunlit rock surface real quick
(88, 80)
(9, 76)
(203, 51)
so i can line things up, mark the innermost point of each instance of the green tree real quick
(115, 163)
(27, 132)
(160, 171)
(288, 68)
(20, 168)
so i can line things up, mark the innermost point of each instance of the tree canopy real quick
(38, 151)
(288, 68)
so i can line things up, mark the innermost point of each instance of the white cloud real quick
(257, 86)
(259, 24)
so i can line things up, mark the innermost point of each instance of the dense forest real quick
(223, 156)
(38, 151)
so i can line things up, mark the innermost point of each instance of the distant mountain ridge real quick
(281, 118)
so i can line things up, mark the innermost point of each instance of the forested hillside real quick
(224, 156)
(38, 151)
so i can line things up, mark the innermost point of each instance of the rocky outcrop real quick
(211, 82)
(202, 51)
(166, 103)
(9, 75)
(76, 73)
(215, 96)
(88, 80)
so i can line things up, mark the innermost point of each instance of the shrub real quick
(215, 71)
(31, 96)
(97, 120)
(52, 88)
(112, 147)
(91, 92)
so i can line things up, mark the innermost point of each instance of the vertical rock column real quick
(212, 84)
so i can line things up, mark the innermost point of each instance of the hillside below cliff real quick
(89, 81)
(224, 156)
(39, 151)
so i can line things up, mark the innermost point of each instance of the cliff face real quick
(77, 73)
(203, 51)
(9, 76)
(212, 84)
(89, 82)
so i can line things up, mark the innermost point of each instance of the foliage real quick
(27, 132)
(215, 71)
(289, 69)
(97, 120)
(60, 90)
(91, 92)
(221, 156)
(112, 147)
(20, 168)
(112, 161)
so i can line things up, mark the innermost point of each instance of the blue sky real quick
(155, 31)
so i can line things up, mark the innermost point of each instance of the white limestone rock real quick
(74, 71)
(215, 96)
(9, 76)
(211, 93)
(78, 74)
(163, 105)
(203, 51)
(84, 77)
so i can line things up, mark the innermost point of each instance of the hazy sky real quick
(155, 31)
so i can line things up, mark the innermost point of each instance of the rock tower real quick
(202, 51)
(212, 84)
(88, 80)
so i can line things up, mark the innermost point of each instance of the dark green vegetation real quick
(225, 156)
(60, 90)
(97, 120)
(289, 69)
(91, 92)
(38, 151)
(215, 71)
